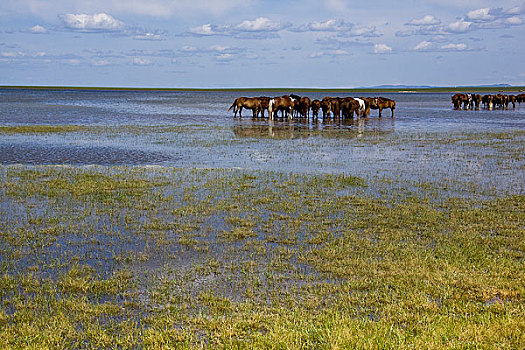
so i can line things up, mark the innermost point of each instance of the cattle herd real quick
(473, 101)
(296, 106)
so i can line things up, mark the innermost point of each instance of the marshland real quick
(157, 219)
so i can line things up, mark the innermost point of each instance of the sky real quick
(254, 43)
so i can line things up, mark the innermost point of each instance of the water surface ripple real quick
(426, 141)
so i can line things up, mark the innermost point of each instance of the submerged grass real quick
(154, 257)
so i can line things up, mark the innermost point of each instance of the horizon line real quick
(385, 87)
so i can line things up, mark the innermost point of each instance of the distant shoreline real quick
(366, 90)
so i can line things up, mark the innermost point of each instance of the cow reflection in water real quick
(284, 129)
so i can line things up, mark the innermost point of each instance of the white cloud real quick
(148, 36)
(218, 48)
(480, 15)
(101, 63)
(331, 25)
(382, 48)
(329, 53)
(427, 20)
(260, 28)
(205, 29)
(454, 47)
(515, 20)
(261, 24)
(11, 54)
(138, 61)
(423, 46)
(224, 57)
(100, 22)
(517, 10)
(38, 29)
(459, 27)
(368, 32)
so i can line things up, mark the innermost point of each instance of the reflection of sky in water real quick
(194, 129)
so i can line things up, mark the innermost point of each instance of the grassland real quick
(158, 257)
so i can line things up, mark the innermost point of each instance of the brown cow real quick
(520, 98)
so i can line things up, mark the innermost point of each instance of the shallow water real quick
(426, 141)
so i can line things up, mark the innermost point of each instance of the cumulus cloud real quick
(488, 18)
(382, 48)
(477, 19)
(139, 61)
(259, 28)
(148, 36)
(461, 26)
(427, 25)
(74, 62)
(424, 46)
(100, 63)
(100, 22)
(12, 54)
(517, 10)
(331, 25)
(514, 21)
(38, 29)
(437, 45)
(224, 57)
(454, 47)
(261, 24)
(205, 29)
(427, 20)
(367, 32)
(480, 15)
(329, 53)
(218, 48)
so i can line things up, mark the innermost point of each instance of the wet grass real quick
(42, 129)
(156, 257)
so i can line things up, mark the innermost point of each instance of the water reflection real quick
(304, 128)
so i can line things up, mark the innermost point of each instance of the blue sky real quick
(252, 43)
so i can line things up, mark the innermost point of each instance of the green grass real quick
(42, 129)
(128, 257)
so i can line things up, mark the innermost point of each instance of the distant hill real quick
(400, 86)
